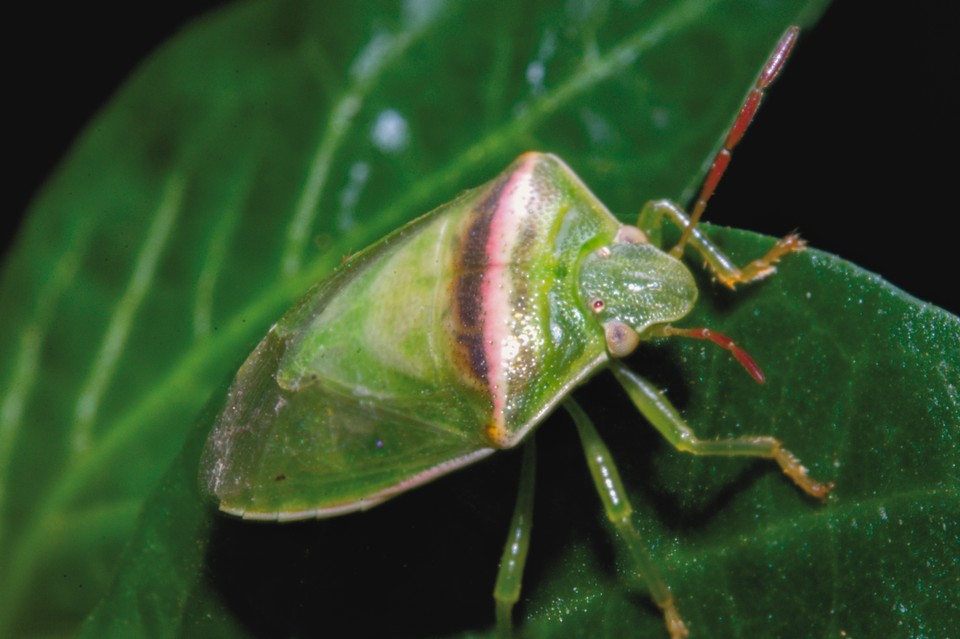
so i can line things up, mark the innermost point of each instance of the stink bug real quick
(486, 314)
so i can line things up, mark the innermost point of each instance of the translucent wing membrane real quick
(277, 455)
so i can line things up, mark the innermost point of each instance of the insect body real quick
(448, 339)
(454, 337)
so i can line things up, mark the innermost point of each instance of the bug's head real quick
(630, 286)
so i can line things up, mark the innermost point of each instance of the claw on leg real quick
(764, 266)
(798, 473)
(675, 625)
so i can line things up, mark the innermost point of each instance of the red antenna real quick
(769, 73)
(724, 342)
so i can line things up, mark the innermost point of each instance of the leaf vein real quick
(104, 364)
(594, 70)
(26, 366)
(215, 255)
(366, 70)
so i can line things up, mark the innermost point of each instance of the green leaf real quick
(746, 553)
(261, 146)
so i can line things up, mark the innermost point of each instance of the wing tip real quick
(353, 505)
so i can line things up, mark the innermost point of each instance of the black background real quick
(855, 145)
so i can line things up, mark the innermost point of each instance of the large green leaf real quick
(746, 553)
(254, 152)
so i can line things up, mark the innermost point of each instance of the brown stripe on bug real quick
(469, 270)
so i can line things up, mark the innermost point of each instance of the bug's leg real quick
(615, 502)
(748, 109)
(506, 593)
(725, 270)
(667, 420)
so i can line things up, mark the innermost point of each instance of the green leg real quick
(506, 593)
(667, 420)
(721, 265)
(618, 508)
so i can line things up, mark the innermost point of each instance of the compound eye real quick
(597, 305)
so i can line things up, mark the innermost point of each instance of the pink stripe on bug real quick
(499, 342)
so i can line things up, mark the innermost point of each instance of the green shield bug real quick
(488, 312)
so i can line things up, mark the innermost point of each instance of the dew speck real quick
(535, 74)
(536, 71)
(391, 133)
